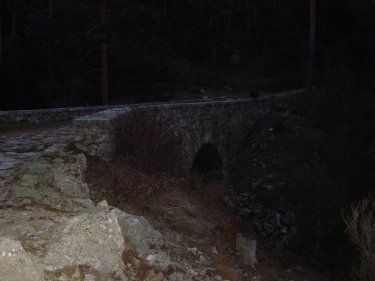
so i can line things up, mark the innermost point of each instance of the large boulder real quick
(92, 239)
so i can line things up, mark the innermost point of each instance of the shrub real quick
(344, 111)
(318, 199)
(129, 184)
(146, 140)
(361, 229)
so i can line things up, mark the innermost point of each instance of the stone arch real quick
(208, 162)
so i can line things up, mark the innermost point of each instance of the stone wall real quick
(36, 116)
(223, 124)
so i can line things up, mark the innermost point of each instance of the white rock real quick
(16, 264)
(89, 277)
(150, 258)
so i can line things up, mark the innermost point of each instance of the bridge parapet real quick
(36, 116)
(224, 123)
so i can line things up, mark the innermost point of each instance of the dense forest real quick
(69, 53)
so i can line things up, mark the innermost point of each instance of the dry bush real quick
(165, 199)
(361, 229)
(146, 140)
(184, 205)
(137, 186)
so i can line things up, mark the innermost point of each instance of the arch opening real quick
(207, 162)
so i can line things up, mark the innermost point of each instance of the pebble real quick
(218, 277)
(151, 258)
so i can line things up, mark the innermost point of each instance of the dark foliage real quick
(51, 49)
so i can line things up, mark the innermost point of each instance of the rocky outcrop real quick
(51, 230)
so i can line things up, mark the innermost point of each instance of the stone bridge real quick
(215, 127)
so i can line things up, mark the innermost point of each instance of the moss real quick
(29, 180)
(36, 168)
(24, 192)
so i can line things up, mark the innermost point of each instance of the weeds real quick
(318, 198)
(360, 226)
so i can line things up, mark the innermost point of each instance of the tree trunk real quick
(310, 67)
(326, 55)
(228, 22)
(104, 56)
(165, 10)
(50, 9)
(13, 33)
(214, 55)
(105, 92)
(1, 45)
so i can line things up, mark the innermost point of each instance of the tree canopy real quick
(51, 50)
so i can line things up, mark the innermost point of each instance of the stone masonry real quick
(223, 123)
(36, 116)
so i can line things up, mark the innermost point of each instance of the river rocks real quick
(16, 264)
